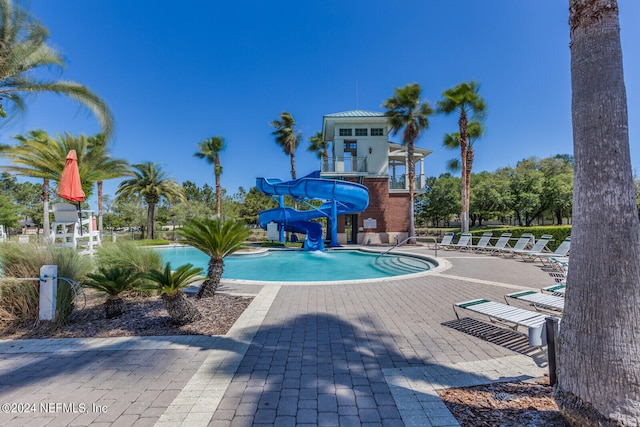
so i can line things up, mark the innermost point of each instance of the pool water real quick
(302, 266)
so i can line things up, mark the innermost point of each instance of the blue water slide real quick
(340, 197)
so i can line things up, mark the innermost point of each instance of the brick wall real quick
(391, 211)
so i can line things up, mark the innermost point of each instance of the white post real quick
(48, 291)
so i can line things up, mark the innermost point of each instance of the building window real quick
(361, 132)
(376, 131)
(350, 146)
(345, 132)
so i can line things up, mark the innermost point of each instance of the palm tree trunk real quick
(599, 343)
(150, 215)
(113, 307)
(180, 309)
(293, 166)
(464, 197)
(412, 173)
(46, 227)
(99, 207)
(216, 168)
(210, 285)
(467, 182)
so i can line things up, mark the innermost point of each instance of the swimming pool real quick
(303, 266)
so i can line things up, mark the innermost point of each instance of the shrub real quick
(25, 261)
(169, 285)
(18, 299)
(112, 282)
(559, 233)
(128, 256)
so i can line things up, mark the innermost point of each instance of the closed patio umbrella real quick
(69, 187)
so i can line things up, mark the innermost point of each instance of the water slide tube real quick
(340, 197)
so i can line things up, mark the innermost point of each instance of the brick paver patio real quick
(368, 354)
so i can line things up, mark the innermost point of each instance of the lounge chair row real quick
(546, 305)
(525, 246)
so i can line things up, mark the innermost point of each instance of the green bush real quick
(25, 260)
(129, 256)
(18, 299)
(559, 233)
(154, 242)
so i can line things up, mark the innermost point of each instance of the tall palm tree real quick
(405, 111)
(37, 155)
(287, 137)
(599, 343)
(103, 167)
(33, 157)
(318, 145)
(475, 130)
(152, 184)
(210, 151)
(217, 239)
(464, 100)
(23, 50)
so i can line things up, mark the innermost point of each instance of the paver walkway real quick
(370, 354)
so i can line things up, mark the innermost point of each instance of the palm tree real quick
(103, 167)
(111, 281)
(287, 137)
(217, 239)
(32, 158)
(475, 130)
(170, 284)
(210, 151)
(37, 155)
(23, 50)
(464, 100)
(598, 369)
(405, 111)
(150, 183)
(318, 145)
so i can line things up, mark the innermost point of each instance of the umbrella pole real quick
(80, 216)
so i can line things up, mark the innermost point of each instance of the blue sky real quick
(176, 74)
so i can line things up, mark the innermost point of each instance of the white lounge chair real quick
(510, 316)
(483, 243)
(502, 243)
(540, 301)
(539, 248)
(447, 240)
(560, 255)
(523, 243)
(462, 243)
(557, 290)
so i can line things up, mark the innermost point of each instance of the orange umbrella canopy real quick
(69, 187)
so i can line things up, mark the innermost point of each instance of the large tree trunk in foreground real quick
(599, 343)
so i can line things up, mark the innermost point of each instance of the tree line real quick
(535, 189)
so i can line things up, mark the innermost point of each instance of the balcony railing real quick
(401, 182)
(345, 164)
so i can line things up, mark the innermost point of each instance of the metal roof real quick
(357, 113)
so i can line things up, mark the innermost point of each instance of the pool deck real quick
(366, 354)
